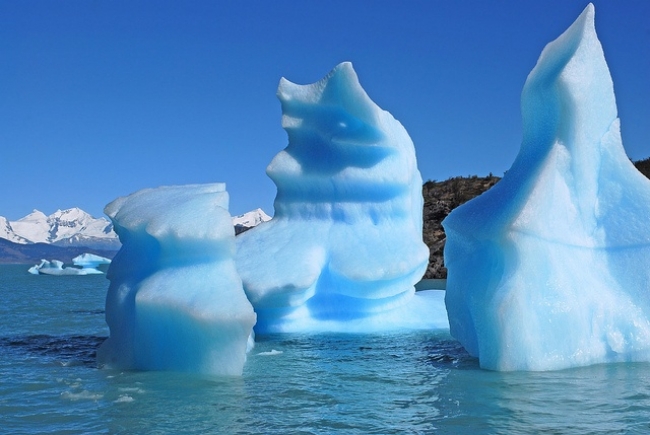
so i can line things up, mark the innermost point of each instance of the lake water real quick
(420, 383)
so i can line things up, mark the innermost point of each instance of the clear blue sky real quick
(101, 98)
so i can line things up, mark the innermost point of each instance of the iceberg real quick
(551, 267)
(175, 301)
(55, 267)
(88, 260)
(344, 248)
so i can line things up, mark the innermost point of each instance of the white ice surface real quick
(175, 301)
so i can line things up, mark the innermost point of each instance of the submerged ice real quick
(344, 248)
(175, 300)
(551, 267)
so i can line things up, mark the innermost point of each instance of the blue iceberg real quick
(344, 248)
(175, 300)
(87, 264)
(90, 261)
(551, 267)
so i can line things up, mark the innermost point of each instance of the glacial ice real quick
(175, 300)
(56, 267)
(89, 260)
(551, 267)
(344, 248)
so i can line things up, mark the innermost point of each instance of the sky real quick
(100, 98)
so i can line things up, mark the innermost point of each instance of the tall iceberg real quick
(175, 301)
(551, 267)
(344, 248)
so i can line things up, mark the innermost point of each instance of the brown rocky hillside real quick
(643, 166)
(441, 197)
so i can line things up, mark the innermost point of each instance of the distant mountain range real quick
(67, 228)
(67, 233)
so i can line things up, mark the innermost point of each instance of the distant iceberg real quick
(175, 301)
(88, 260)
(551, 267)
(344, 248)
(87, 264)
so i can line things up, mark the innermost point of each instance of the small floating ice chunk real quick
(124, 398)
(81, 395)
(270, 353)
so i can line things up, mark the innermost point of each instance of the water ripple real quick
(66, 350)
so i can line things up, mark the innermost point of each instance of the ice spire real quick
(551, 267)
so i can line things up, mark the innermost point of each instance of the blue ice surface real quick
(89, 260)
(175, 300)
(344, 248)
(551, 267)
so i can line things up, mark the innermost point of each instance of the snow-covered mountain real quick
(7, 232)
(249, 220)
(71, 227)
(74, 227)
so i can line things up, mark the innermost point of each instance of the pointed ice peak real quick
(550, 268)
(568, 97)
(583, 25)
(581, 32)
(341, 78)
(339, 92)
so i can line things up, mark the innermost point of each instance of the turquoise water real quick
(421, 383)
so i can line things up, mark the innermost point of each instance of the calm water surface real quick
(420, 383)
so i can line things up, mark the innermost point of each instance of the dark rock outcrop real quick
(440, 198)
(643, 166)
